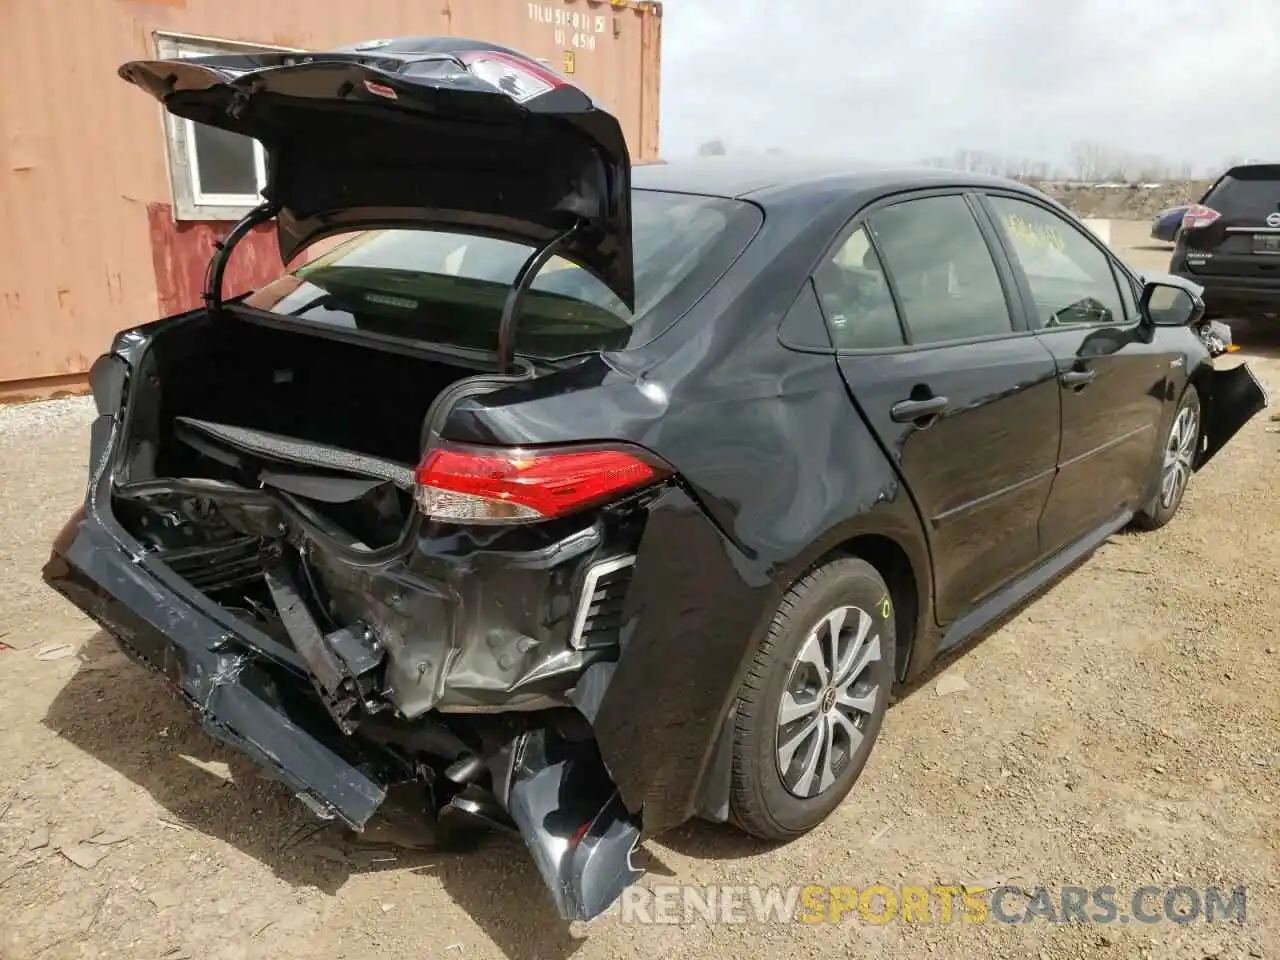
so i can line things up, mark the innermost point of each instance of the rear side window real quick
(855, 297)
(1071, 280)
(941, 269)
(1246, 193)
(450, 288)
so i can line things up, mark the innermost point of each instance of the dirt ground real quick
(1123, 730)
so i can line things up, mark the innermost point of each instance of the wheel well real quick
(892, 563)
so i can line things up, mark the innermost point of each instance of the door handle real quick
(909, 411)
(1077, 379)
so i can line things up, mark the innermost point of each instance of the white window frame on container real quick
(190, 200)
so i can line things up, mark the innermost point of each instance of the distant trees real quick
(1093, 161)
(1086, 161)
(994, 164)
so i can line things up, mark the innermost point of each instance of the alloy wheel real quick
(829, 696)
(1179, 455)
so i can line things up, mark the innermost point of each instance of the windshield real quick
(450, 288)
(1247, 193)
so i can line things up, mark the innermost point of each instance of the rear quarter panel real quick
(776, 470)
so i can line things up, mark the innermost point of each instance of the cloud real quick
(900, 80)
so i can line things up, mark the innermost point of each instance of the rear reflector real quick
(496, 485)
(1198, 216)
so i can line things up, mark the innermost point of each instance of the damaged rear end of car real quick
(283, 516)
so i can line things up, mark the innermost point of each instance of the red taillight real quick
(517, 77)
(497, 485)
(1198, 216)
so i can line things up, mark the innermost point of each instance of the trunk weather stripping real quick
(212, 294)
(519, 288)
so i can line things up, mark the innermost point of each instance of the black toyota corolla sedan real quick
(589, 499)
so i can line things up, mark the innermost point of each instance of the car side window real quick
(1071, 280)
(942, 270)
(1128, 294)
(855, 297)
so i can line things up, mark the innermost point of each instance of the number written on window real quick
(1071, 280)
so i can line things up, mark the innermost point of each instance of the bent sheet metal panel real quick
(657, 720)
(1236, 397)
(226, 689)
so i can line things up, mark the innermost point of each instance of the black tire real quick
(1156, 512)
(760, 802)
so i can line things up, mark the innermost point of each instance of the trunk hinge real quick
(212, 294)
(519, 288)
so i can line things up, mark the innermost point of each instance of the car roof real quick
(1258, 170)
(771, 180)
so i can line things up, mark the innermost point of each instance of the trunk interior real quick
(334, 426)
(315, 552)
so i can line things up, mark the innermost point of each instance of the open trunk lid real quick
(441, 133)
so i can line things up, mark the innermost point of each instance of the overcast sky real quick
(1193, 80)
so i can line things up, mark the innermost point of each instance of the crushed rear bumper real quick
(560, 797)
(250, 691)
(232, 690)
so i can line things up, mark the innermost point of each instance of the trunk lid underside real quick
(433, 133)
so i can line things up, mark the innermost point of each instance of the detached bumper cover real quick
(231, 690)
(1236, 397)
(573, 821)
(224, 670)
(569, 813)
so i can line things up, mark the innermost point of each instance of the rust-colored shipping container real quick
(110, 207)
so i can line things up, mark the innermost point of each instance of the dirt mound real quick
(1124, 201)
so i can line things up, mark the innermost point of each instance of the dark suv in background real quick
(1230, 243)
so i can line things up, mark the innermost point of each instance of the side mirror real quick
(1170, 304)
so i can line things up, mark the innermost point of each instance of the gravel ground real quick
(1123, 730)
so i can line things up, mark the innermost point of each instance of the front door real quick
(928, 330)
(1114, 375)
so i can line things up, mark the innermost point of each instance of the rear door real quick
(1113, 373)
(1247, 242)
(932, 343)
